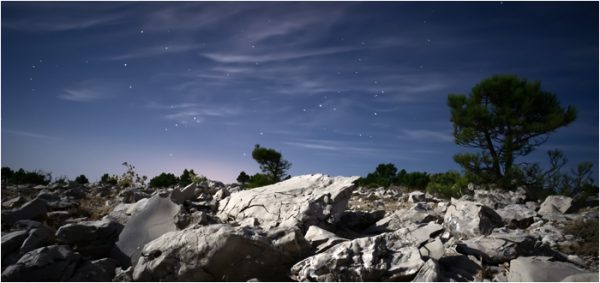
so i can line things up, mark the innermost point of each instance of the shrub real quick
(109, 180)
(81, 179)
(447, 185)
(383, 176)
(7, 174)
(164, 180)
(413, 180)
(588, 231)
(243, 178)
(130, 178)
(25, 177)
(260, 180)
(186, 177)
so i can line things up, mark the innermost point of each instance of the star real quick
(320, 105)
(125, 65)
(130, 86)
(176, 125)
(33, 67)
(142, 31)
(166, 129)
(375, 114)
(170, 155)
(261, 133)
(304, 110)
(166, 48)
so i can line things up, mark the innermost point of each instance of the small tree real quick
(81, 179)
(164, 180)
(186, 177)
(259, 180)
(7, 174)
(506, 117)
(130, 177)
(108, 180)
(243, 178)
(271, 162)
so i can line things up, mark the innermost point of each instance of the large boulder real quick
(212, 253)
(386, 257)
(300, 201)
(52, 263)
(517, 215)
(180, 195)
(321, 239)
(34, 209)
(501, 246)
(555, 204)
(417, 214)
(150, 222)
(499, 198)
(470, 219)
(91, 238)
(540, 268)
(123, 211)
(101, 270)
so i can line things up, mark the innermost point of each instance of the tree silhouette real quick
(505, 116)
(271, 163)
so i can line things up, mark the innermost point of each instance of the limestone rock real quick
(417, 214)
(501, 246)
(179, 195)
(52, 263)
(434, 250)
(91, 238)
(429, 272)
(555, 205)
(470, 219)
(416, 196)
(36, 238)
(389, 256)
(322, 239)
(147, 224)
(582, 277)
(211, 253)
(101, 270)
(123, 211)
(540, 269)
(300, 201)
(34, 209)
(517, 215)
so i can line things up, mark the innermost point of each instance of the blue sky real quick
(337, 87)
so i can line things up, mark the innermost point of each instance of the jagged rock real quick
(183, 220)
(434, 250)
(221, 194)
(13, 202)
(360, 220)
(123, 211)
(180, 195)
(502, 245)
(417, 214)
(91, 238)
(470, 219)
(123, 275)
(300, 201)
(540, 269)
(499, 198)
(289, 241)
(582, 277)
(385, 257)
(32, 210)
(55, 200)
(132, 195)
(416, 196)
(547, 234)
(429, 272)
(56, 219)
(322, 239)
(517, 215)
(11, 242)
(250, 222)
(211, 253)
(52, 263)
(459, 268)
(101, 270)
(555, 204)
(36, 238)
(147, 224)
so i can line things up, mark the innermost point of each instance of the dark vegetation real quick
(25, 177)
(274, 168)
(165, 180)
(82, 179)
(503, 118)
(588, 231)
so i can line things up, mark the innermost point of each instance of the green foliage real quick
(186, 177)
(506, 117)
(540, 183)
(385, 175)
(447, 185)
(61, 180)
(109, 180)
(259, 180)
(413, 180)
(82, 179)
(164, 180)
(271, 163)
(243, 178)
(25, 177)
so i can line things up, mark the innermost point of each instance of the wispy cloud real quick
(156, 51)
(27, 134)
(195, 112)
(426, 135)
(274, 56)
(88, 91)
(80, 95)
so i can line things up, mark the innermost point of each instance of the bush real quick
(260, 180)
(385, 175)
(108, 180)
(25, 177)
(81, 179)
(413, 180)
(186, 177)
(243, 178)
(588, 231)
(447, 185)
(130, 178)
(164, 180)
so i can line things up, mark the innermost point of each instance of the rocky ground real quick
(307, 228)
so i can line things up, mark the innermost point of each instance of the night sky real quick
(337, 87)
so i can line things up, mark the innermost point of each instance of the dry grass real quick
(97, 207)
(588, 231)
